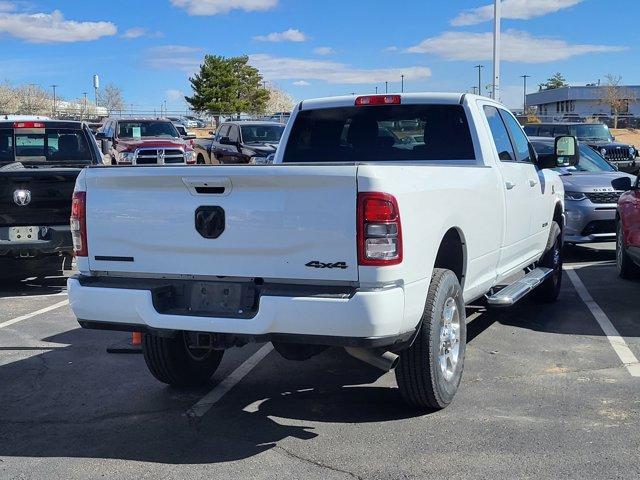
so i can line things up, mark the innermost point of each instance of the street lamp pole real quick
(402, 84)
(497, 5)
(479, 67)
(54, 86)
(524, 103)
(386, 87)
(84, 110)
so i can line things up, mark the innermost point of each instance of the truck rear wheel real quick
(430, 371)
(172, 361)
(549, 290)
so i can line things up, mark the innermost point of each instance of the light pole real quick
(376, 89)
(479, 67)
(402, 83)
(54, 86)
(84, 109)
(524, 103)
(386, 87)
(497, 5)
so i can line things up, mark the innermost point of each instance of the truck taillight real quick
(379, 229)
(370, 100)
(79, 224)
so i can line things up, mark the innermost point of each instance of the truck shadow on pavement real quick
(78, 401)
(33, 286)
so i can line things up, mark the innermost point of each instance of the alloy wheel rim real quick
(449, 339)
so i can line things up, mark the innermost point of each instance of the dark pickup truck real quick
(39, 163)
(597, 136)
(239, 143)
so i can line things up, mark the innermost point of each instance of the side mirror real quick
(622, 184)
(566, 151)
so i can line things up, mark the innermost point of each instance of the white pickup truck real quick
(382, 217)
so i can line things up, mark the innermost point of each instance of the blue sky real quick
(311, 48)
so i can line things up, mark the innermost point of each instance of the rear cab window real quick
(44, 145)
(380, 133)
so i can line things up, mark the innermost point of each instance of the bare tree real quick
(33, 100)
(9, 102)
(617, 96)
(279, 100)
(111, 98)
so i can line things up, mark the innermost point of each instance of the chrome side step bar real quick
(517, 291)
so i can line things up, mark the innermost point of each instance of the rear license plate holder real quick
(23, 234)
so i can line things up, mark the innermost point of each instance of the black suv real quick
(597, 136)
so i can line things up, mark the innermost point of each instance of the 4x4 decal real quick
(317, 264)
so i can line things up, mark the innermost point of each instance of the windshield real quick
(591, 132)
(590, 160)
(380, 133)
(261, 133)
(54, 145)
(146, 129)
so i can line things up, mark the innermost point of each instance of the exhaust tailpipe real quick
(384, 361)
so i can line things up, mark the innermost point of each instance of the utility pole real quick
(376, 89)
(402, 84)
(85, 108)
(524, 103)
(386, 87)
(54, 86)
(479, 67)
(497, 5)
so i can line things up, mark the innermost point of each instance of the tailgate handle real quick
(208, 185)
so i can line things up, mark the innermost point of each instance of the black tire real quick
(627, 269)
(549, 290)
(200, 159)
(421, 379)
(171, 362)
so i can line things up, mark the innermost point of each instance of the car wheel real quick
(627, 269)
(200, 159)
(549, 290)
(171, 360)
(429, 372)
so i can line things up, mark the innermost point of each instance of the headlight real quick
(125, 157)
(190, 156)
(603, 152)
(575, 196)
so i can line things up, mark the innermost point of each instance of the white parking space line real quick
(33, 314)
(615, 339)
(211, 398)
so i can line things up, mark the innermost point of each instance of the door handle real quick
(509, 185)
(532, 183)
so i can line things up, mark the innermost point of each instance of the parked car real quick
(348, 240)
(628, 229)
(597, 136)
(590, 197)
(39, 163)
(199, 123)
(127, 141)
(239, 142)
(184, 121)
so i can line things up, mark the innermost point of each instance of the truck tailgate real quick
(280, 222)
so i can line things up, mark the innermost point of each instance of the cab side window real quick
(223, 131)
(520, 140)
(234, 136)
(500, 134)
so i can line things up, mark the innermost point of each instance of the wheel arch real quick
(452, 253)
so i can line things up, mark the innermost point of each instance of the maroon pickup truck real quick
(130, 141)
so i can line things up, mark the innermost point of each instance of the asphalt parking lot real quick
(545, 394)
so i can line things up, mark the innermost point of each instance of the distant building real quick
(583, 102)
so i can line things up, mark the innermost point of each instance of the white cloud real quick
(392, 48)
(323, 51)
(301, 83)
(174, 95)
(513, 9)
(291, 35)
(285, 68)
(137, 32)
(8, 6)
(174, 57)
(517, 46)
(214, 7)
(52, 28)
